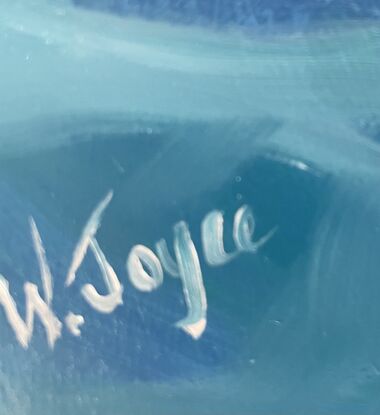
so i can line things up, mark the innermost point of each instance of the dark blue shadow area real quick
(60, 188)
(274, 319)
(252, 14)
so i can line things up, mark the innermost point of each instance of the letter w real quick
(34, 303)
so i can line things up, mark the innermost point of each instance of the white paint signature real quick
(145, 269)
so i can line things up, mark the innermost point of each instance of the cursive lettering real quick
(144, 267)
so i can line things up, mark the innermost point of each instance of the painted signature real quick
(145, 269)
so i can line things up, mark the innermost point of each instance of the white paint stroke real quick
(244, 229)
(47, 279)
(168, 263)
(212, 239)
(89, 231)
(73, 322)
(34, 305)
(141, 279)
(103, 303)
(192, 282)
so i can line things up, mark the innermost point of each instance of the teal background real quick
(180, 117)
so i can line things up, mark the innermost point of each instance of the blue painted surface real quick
(178, 122)
(250, 14)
